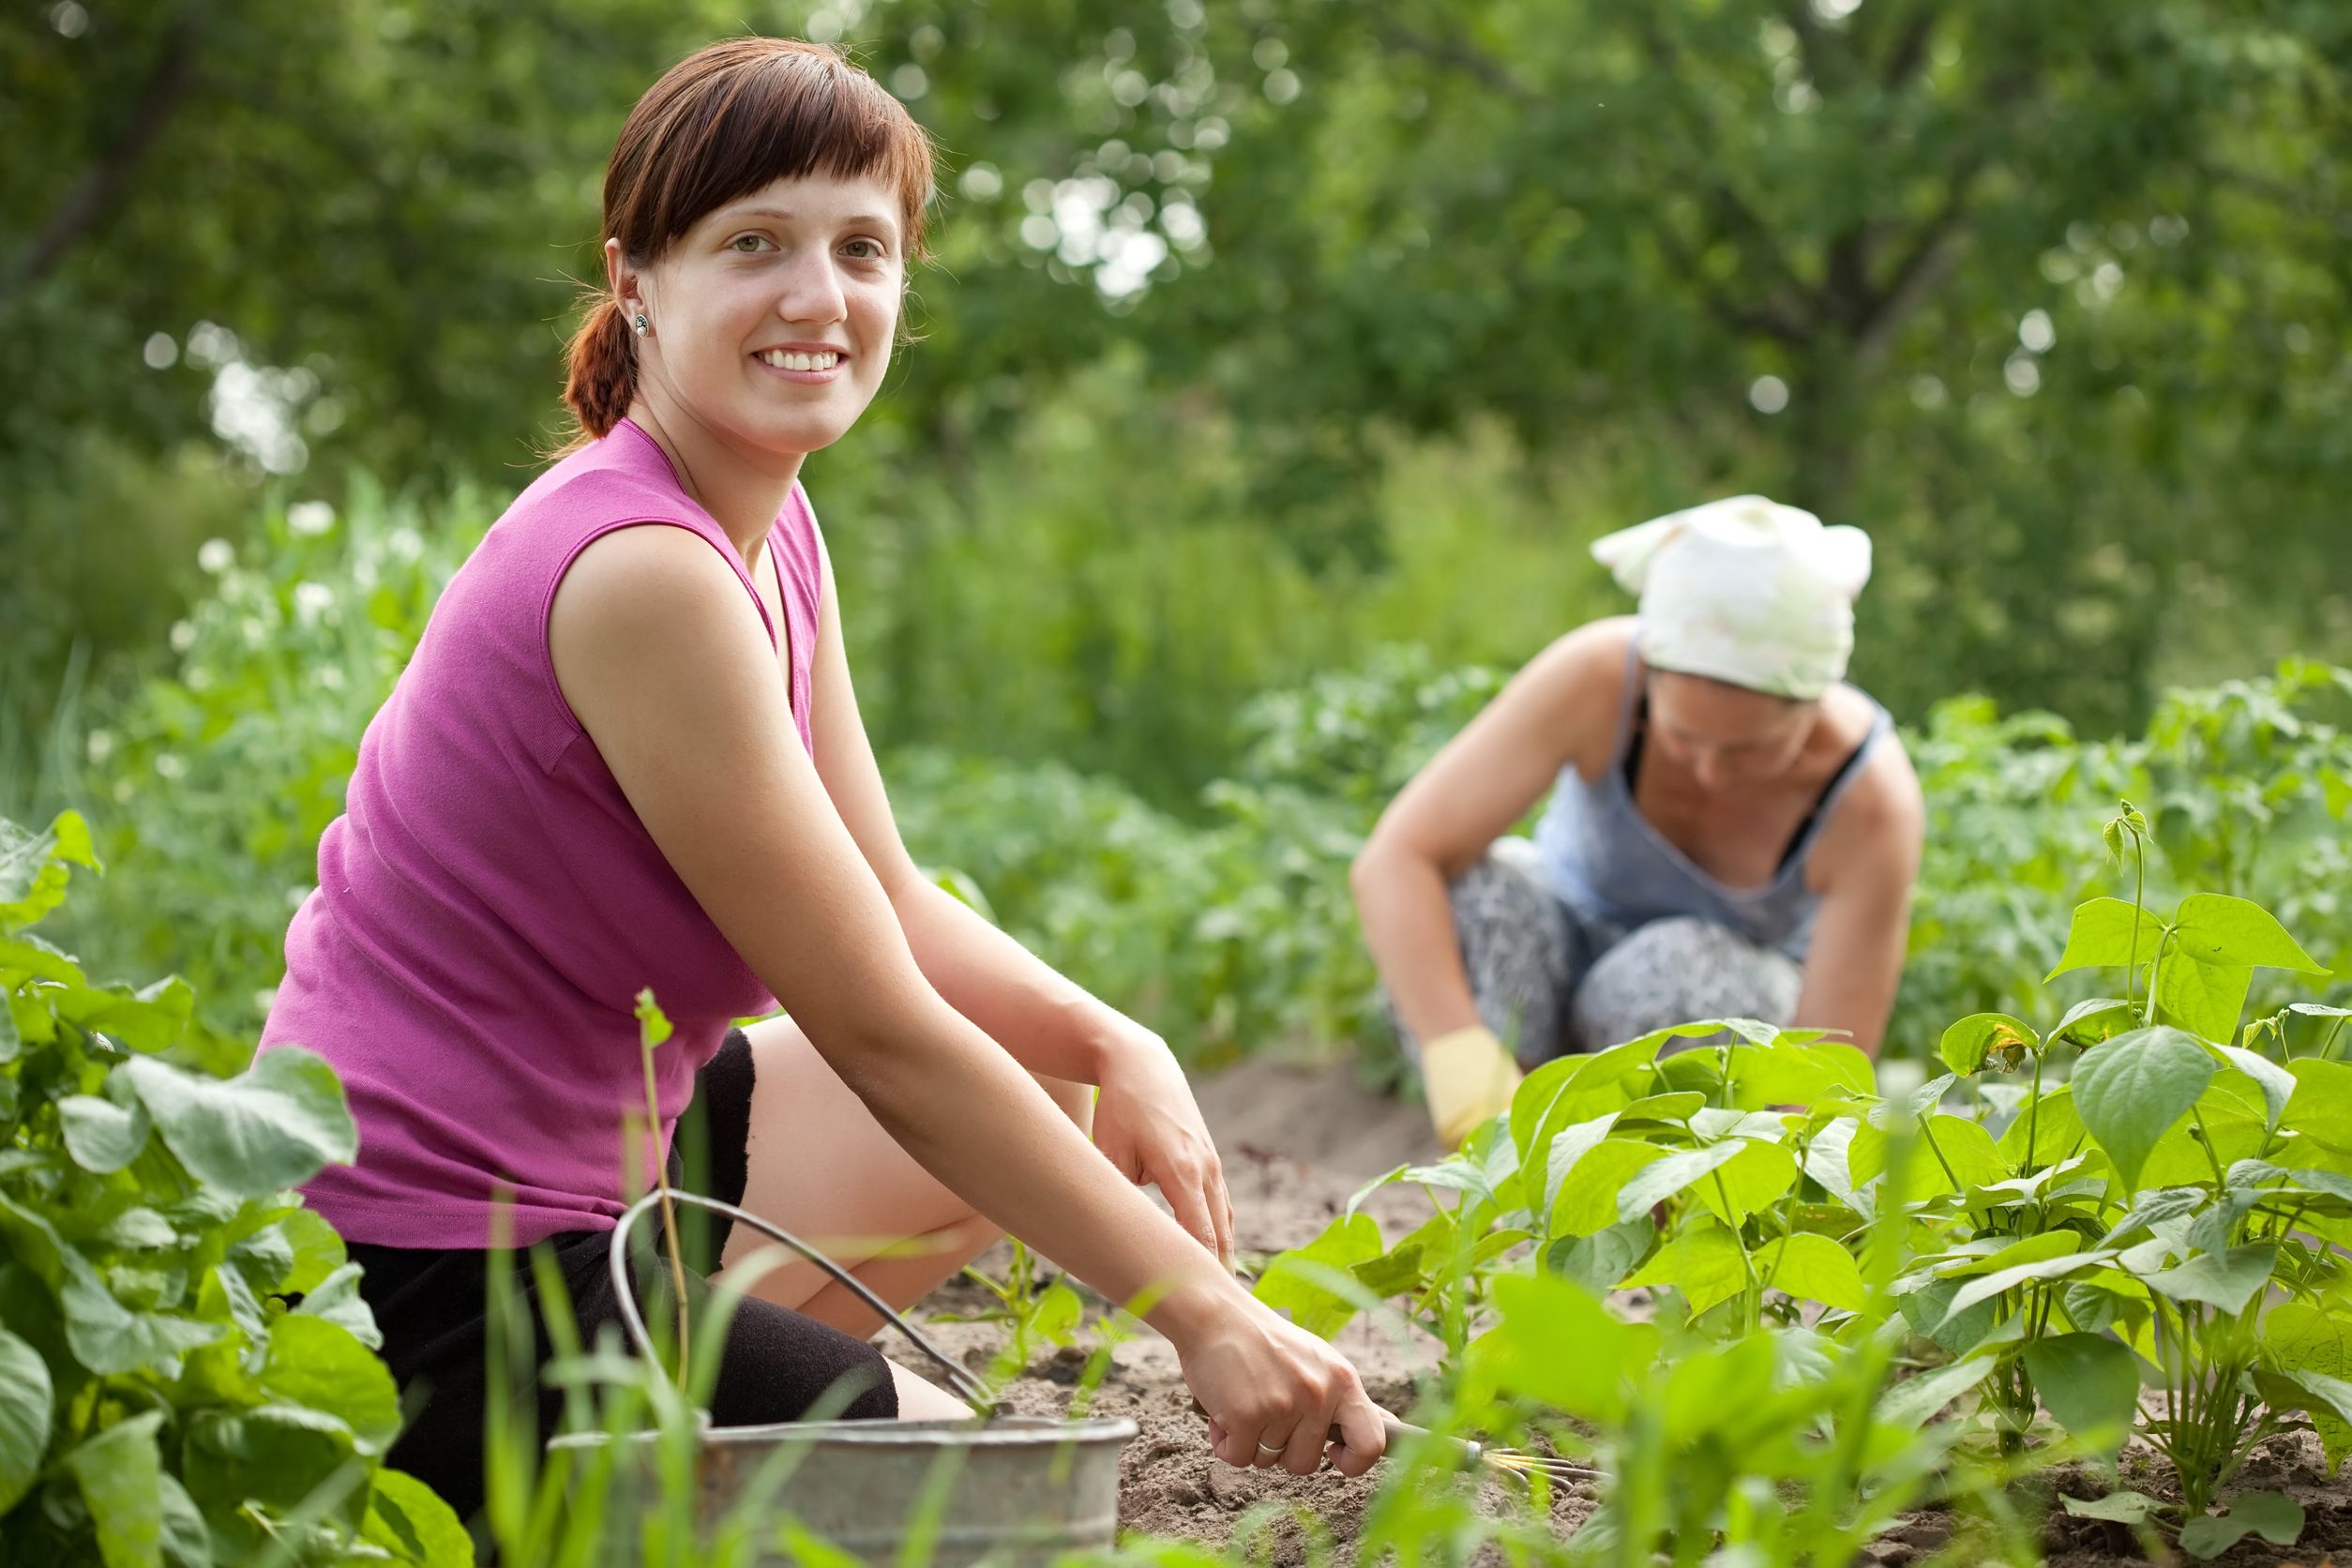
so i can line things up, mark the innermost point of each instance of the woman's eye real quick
(864, 250)
(748, 244)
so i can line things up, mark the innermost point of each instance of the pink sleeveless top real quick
(489, 905)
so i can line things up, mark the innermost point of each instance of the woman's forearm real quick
(1046, 1021)
(1408, 921)
(973, 1117)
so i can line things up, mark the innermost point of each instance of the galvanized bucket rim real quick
(1008, 1431)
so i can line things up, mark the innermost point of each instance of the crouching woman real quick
(1733, 830)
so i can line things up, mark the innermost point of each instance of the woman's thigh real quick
(817, 1164)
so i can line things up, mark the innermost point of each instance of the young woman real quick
(1733, 830)
(627, 754)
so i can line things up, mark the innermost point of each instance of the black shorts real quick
(432, 1308)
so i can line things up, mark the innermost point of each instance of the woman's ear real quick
(627, 285)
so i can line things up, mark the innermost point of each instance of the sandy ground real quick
(1296, 1142)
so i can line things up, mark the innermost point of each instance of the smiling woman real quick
(627, 754)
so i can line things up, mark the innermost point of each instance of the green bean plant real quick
(1681, 1171)
(2167, 1217)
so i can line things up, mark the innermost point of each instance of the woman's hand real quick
(1148, 1124)
(1272, 1392)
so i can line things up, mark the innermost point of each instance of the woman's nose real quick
(813, 291)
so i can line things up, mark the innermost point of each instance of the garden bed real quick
(1296, 1142)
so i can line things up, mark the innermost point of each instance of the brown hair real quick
(721, 123)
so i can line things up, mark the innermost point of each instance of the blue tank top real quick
(1615, 871)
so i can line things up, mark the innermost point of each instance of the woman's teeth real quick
(784, 359)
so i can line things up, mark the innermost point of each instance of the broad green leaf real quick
(1705, 1263)
(2131, 1089)
(272, 1127)
(1286, 1287)
(1785, 1074)
(2101, 937)
(1664, 1179)
(2275, 1517)
(2035, 1248)
(1914, 1401)
(273, 1455)
(120, 1474)
(2308, 1339)
(1755, 1179)
(317, 1364)
(2123, 1508)
(1573, 1089)
(2101, 1017)
(338, 1300)
(2045, 1131)
(1963, 1146)
(406, 1518)
(27, 1403)
(2203, 999)
(2322, 1106)
(2229, 1281)
(2088, 1383)
(1663, 1107)
(1601, 1262)
(2215, 928)
(1928, 1309)
(1989, 1285)
(1540, 1313)
(101, 1136)
(2276, 1083)
(187, 1539)
(33, 866)
(149, 1019)
(1588, 1194)
(2233, 1122)
(1569, 1145)
(1814, 1268)
(2327, 1399)
(318, 1251)
(2156, 1206)
(2009, 1043)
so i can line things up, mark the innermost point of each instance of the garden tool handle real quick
(965, 1383)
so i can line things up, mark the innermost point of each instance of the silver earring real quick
(642, 325)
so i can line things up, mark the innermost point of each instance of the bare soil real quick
(1297, 1140)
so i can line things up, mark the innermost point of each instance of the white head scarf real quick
(1744, 590)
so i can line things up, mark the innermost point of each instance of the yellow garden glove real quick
(1469, 1079)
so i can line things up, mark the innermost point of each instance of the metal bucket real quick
(1013, 1490)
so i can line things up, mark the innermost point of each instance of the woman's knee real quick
(1677, 971)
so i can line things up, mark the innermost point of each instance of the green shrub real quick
(159, 1402)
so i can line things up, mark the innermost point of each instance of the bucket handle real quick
(965, 1383)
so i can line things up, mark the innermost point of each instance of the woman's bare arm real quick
(1866, 863)
(1148, 1123)
(1553, 711)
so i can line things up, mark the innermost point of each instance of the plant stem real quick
(2033, 1118)
(669, 1213)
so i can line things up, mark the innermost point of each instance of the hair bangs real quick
(775, 110)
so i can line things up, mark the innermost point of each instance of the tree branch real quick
(1452, 53)
(167, 83)
(1728, 213)
(1910, 49)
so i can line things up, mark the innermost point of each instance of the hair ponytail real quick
(603, 377)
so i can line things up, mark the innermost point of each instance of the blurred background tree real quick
(1260, 333)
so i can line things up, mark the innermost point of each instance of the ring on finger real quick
(1272, 1450)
